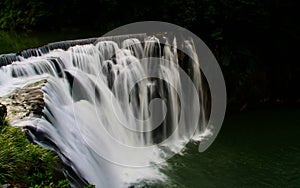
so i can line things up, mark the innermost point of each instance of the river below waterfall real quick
(253, 149)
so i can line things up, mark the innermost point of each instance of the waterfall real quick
(115, 108)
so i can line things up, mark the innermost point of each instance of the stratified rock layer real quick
(26, 102)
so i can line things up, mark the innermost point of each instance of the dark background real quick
(255, 41)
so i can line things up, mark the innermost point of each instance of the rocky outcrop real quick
(26, 102)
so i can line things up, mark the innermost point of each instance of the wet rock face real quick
(22, 103)
(3, 110)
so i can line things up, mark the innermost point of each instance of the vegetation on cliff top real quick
(24, 164)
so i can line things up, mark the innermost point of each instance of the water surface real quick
(254, 149)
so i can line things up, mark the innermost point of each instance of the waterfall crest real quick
(115, 108)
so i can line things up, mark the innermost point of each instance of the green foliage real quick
(24, 164)
(90, 186)
(19, 14)
(11, 42)
(59, 184)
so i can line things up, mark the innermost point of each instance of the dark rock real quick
(3, 110)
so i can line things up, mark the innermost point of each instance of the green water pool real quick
(253, 149)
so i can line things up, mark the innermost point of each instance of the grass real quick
(24, 164)
(12, 42)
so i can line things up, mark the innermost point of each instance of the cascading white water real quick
(114, 112)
